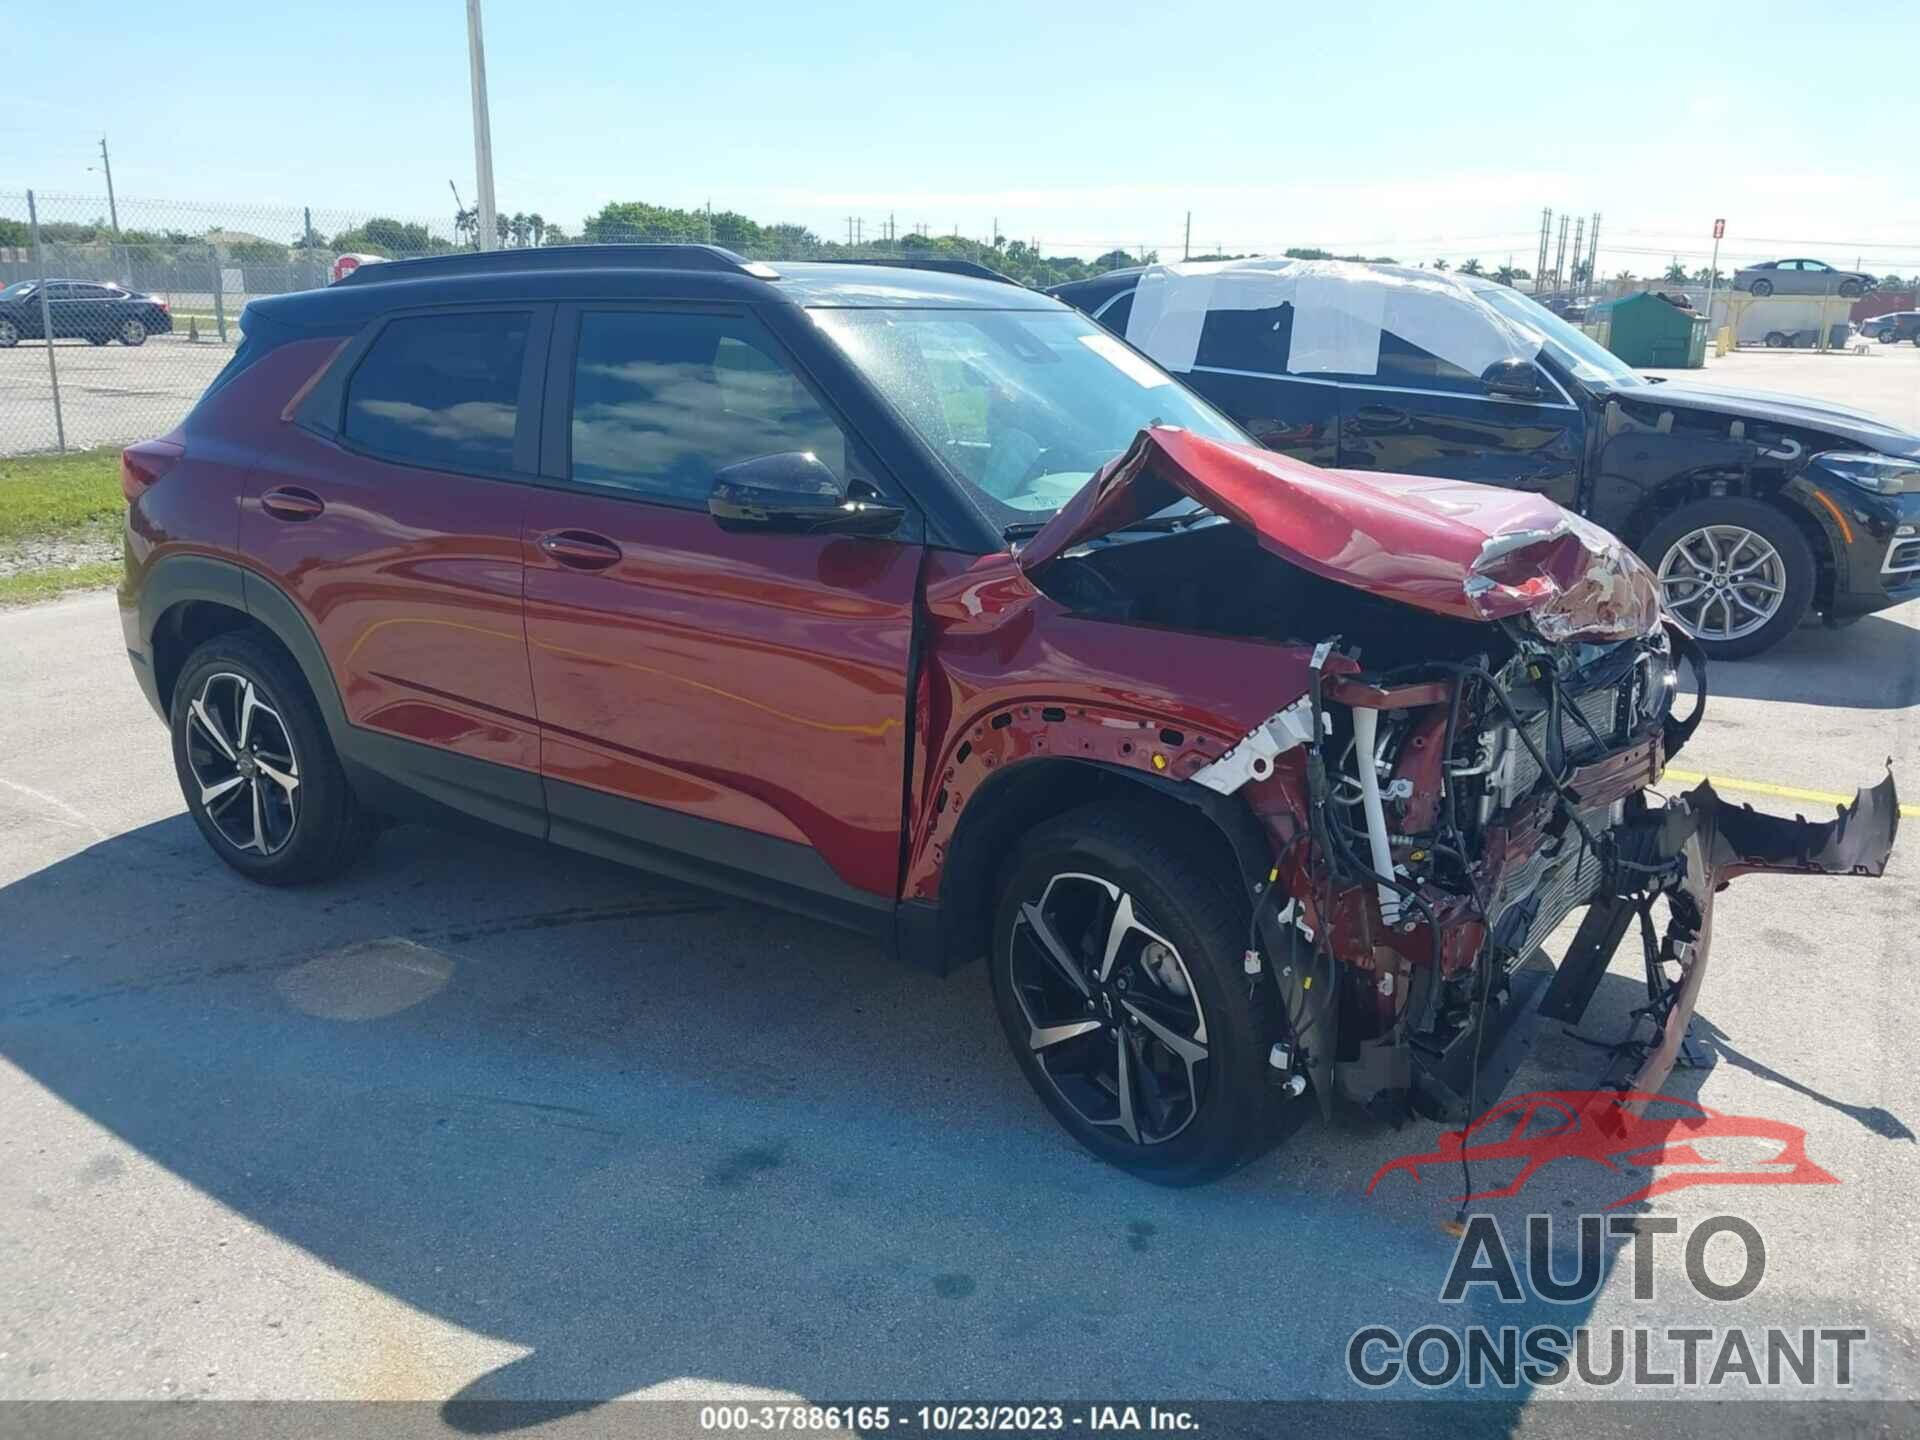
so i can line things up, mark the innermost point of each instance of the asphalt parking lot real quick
(109, 394)
(479, 1121)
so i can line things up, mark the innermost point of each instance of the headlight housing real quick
(1882, 474)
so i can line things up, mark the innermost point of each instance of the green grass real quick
(59, 497)
(73, 496)
(30, 587)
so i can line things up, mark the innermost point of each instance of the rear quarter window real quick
(441, 391)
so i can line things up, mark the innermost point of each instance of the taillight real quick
(142, 465)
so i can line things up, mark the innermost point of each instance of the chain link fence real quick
(115, 316)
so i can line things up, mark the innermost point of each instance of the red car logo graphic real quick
(1622, 1130)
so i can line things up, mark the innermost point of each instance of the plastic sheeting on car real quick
(1340, 310)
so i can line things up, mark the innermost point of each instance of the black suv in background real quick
(1752, 507)
(93, 310)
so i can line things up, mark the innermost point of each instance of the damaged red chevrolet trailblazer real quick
(914, 601)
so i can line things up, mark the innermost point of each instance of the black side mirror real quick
(1515, 379)
(795, 493)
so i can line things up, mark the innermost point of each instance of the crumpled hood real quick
(1852, 427)
(1469, 552)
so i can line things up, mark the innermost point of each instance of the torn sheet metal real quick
(1470, 552)
(1340, 311)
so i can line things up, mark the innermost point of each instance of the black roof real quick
(680, 272)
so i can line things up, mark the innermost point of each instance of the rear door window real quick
(442, 391)
(1253, 340)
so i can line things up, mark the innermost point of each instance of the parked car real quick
(1801, 277)
(1893, 327)
(1751, 507)
(917, 602)
(90, 310)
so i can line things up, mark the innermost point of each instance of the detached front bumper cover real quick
(1717, 842)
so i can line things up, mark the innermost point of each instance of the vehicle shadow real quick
(652, 1135)
(1868, 665)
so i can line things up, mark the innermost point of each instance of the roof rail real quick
(562, 257)
(950, 267)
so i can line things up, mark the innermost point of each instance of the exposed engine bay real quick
(1493, 695)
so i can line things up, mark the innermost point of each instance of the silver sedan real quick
(1801, 277)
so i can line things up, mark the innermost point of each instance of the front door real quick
(737, 698)
(394, 524)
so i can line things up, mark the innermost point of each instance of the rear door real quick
(1417, 409)
(391, 516)
(736, 698)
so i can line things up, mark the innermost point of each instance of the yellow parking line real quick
(1784, 792)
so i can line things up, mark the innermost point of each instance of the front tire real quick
(1117, 976)
(1736, 573)
(9, 334)
(1763, 287)
(257, 767)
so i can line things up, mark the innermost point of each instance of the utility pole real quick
(113, 211)
(482, 128)
(1593, 253)
(1186, 245)
(1579, 249)
(1560, 255)
(106, 165)
(1540, 266)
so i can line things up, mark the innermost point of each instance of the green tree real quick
(383, 236)
(1471, 267)
(1440, 265)
(1675, 271)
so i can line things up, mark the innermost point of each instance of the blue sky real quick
(1404, 129)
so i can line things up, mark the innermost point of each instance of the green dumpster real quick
(1649, 331)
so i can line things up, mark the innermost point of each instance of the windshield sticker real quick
(1125, 361)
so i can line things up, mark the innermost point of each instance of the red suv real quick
(912, 599)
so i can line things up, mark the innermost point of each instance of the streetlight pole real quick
(482, 128)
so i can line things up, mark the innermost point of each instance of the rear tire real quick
(257, 767)
(1173, 998)
(1762, 287)
(1776, 339)
(133, 332)
(1683, 549)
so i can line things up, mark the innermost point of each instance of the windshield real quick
(19, 290)
(1022, 405)
(1579, 352)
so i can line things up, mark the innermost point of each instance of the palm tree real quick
(1504, 274)
(1470, 267)
(537, 226)
(1439, 264)
(1676, 271)
(519, 229)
